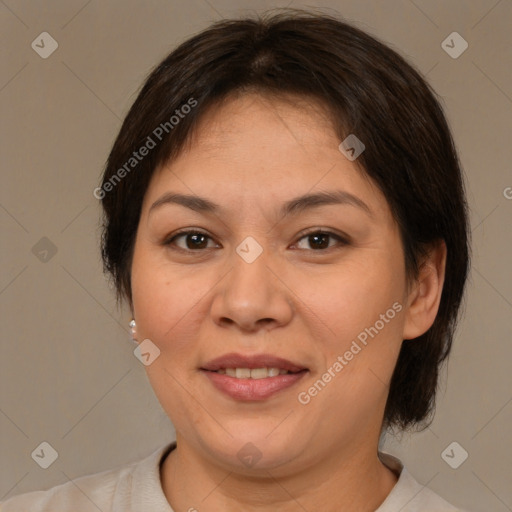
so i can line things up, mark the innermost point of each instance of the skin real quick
(295, 301)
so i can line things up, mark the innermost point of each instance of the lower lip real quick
(252, 389)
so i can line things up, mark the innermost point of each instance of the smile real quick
(245, 386)
(254, 373)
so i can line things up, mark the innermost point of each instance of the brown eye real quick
(319, 240)
(194, 240)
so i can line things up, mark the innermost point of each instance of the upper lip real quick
(234, 360)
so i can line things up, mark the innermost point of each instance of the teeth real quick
(242, 373)
(255, 373)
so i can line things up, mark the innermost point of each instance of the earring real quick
(133, 329)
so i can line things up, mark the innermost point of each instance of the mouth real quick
(253, 373)
(252, 378)
(242, 364)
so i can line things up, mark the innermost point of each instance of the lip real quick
(234, 360)
(252, 389)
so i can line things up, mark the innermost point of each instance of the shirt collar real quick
(149, 488)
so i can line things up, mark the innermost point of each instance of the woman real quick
(284, 213)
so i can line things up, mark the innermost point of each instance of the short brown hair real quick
(369, 90)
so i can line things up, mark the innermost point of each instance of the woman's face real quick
(261, 280)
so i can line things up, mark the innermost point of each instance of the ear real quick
(425, 294)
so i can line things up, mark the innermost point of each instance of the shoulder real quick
(409, 495)
(83, 494)
(107, 491)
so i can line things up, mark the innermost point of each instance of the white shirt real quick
(137, 487)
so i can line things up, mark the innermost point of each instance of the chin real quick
(254, 452)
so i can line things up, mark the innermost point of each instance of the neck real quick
(360, 483)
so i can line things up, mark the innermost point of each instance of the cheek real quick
(352, 298)
(167, 300)
(372, 336)
(167, 309)
(359, 312)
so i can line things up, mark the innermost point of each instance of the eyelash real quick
(342, 239)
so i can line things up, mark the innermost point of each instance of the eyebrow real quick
(294, 206)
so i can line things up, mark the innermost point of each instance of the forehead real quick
(254, 148)
(297, 121)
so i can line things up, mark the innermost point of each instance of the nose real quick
(252, 296)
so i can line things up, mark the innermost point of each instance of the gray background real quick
(68, 374)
